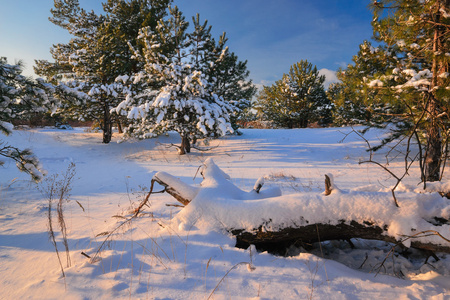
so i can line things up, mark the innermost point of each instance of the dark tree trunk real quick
(433, 155)
(185, 145)
(432, 164)
(107, 125)
(290, 124)
(119, 127)
(304, 123)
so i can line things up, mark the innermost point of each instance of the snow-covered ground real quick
(157, 256)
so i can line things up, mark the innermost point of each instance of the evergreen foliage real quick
(20, 98)
(414, 37)
(86, 67)
(229, 74)
(297, 99)
(187, 84)
(354, 102)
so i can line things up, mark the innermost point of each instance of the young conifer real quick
(86, 68)
(354, 102)
(415, 34)
(297, 99)
(20, 98)
(179, 89)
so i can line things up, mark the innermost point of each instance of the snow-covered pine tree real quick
(354, 102)
(175, 91)
(229, 75)
(87, 66)
(417, 33)
(21, 97)
(297, 99)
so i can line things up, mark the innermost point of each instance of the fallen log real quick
(305, 236)
(273, 222)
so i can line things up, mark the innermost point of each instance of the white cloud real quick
(330, 77)
(263, 83)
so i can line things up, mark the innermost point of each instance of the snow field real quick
(156, 256)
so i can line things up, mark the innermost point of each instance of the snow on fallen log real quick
(443, 188)
(267, 216)
(181, 191)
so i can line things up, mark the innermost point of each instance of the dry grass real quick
(57, 189)
(289, 183)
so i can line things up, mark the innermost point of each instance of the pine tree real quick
(354, 102)
(21, 97)
(229, 74)
(175, 92)
(417, 33)
(297, 99)
(86, 67)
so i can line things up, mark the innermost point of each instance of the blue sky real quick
(271, 35)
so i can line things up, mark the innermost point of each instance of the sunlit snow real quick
(183, 253)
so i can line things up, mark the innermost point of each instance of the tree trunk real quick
(107, 124)
(119, 127)
(278, 241)
(304, 121)
(185, 145)
(432, 163)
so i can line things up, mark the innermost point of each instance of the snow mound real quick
(220, 205)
